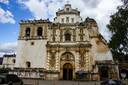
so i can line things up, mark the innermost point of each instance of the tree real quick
(119, 28)
(125, 3)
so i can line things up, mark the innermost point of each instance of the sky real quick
(12, 11)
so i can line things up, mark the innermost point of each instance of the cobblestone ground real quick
(48, 82)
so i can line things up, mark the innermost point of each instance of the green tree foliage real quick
(125, 2)
(119, 28)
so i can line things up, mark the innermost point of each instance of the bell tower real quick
(31, 50)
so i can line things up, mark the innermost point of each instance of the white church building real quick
(63, 49)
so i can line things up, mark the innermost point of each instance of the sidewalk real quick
(58, 82)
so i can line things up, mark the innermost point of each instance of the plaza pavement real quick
(56, 82)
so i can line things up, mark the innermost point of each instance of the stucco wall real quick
(75, 17)
(35, 54)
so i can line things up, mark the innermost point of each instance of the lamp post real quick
(123, 75)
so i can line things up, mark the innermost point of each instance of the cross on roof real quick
(67, 2)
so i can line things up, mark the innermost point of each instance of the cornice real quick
(32, 38)
(22, 22)
(69, 46)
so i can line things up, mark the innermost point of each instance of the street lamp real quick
(123, 75)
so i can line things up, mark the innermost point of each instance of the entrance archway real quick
(67, 66)
(67, 71)
(103, 70)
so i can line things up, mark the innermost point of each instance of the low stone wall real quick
(36, 74)
(52, 76)
(24, 74)
(58, 82)
(35, 81)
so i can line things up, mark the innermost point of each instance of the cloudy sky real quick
(12, 11)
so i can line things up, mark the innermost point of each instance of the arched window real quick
(67, 37)
(13, 60)
(67, 19)
(39, 31)
(67, 9)
(27, 32)
(28, 64)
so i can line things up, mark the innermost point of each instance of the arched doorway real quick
(103, 70)
(67, 71)
(67, 66)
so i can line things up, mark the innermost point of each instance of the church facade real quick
(65, 48)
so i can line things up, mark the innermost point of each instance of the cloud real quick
(4, 1)
(6, 16)
(100, 10)
(41, 8)
(8, 48)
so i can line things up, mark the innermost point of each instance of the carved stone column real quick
(82, 59)
(81, 35)
(61, 35)
(48, 57)
(52, 60)
(54, 35)
(45, 31)
(57, 59)
(74, 35)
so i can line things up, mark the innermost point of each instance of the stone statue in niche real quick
(52, 58)
(82, 57)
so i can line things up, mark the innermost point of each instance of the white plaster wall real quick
(36, 54)
(8, 62)
(100, 56)
(76, 18)
(93, 49)
(104, 56)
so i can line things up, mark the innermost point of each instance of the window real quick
(28, 64)
(39, 31)
(72, 20)
(67, 9)
(27, 32)
(32, 43)
(62, 20)
(67, 19)
(13, 60)
(67, 37)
